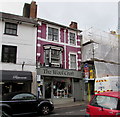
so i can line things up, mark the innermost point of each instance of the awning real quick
(15, 75)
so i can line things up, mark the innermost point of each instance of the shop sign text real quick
(58, 72)
(19, 77)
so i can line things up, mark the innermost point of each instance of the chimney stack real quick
(30, 10)
(73, 25)
(33, 9)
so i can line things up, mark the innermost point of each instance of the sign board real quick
(59, 72)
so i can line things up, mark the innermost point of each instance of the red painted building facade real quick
(59, 60)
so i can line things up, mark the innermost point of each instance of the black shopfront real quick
(15, 81)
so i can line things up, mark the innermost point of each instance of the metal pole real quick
(89, 91)
(43, 87)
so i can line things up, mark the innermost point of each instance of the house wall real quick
(26, 49)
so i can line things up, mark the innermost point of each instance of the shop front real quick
(59, 83)
(15, 81)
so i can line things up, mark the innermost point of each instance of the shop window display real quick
(14, 87)
(61, 89)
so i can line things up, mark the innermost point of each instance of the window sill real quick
(8, 62)
(72, 44)
(10, 34)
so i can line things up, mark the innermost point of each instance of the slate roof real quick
(18, 18)
(53, 23)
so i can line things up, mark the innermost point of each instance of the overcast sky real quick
(102, 15)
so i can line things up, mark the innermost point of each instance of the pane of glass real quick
(47, 53)
(73, 61)
(14, 26)
(5, 58)
(7, 31)
(52, 34)
(14, 32)
(55, 61)
(7, 25)
(72, 38)
(55, 53)
(55, 37)
(50, 37)
(56, 31)
(11, 28)
(10, 31)
(49, 30)
(105, 102)
(6, 50)
(46, 61)
(46, 57)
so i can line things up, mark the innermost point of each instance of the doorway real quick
(48, 88)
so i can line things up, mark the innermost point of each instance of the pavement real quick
(63, 105)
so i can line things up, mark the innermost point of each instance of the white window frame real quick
(69, 38)
(50, 59)
(70, 61)
(51, 26)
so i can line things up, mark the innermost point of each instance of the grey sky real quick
(100, 15)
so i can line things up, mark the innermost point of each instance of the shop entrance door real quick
(48, 89)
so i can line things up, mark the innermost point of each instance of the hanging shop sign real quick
(86, 71)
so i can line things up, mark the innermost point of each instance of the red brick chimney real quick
(33, 9)
(30, 10)
(73, 25)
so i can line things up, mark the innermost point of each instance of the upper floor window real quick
(9, 54)
(52, 34)
(10, 28)
(53, 56)
(73, 61)
(72, 38)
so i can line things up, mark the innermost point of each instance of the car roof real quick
(8, 96)
(111, 94)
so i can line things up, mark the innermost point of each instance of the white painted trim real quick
(65, 48)
(40, 23)
(39, 38)
(38, 54)
(65, 56)
(79, 60)
(73, 53)
(58, 43)
(39, 31)
(69, 31)
(79, 52)
(52, 26)
(38, 45)
(11, 44)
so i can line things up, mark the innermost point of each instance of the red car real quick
(107, 103)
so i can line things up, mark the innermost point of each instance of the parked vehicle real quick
(24, 103)
(104, 84)
(107, 103)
